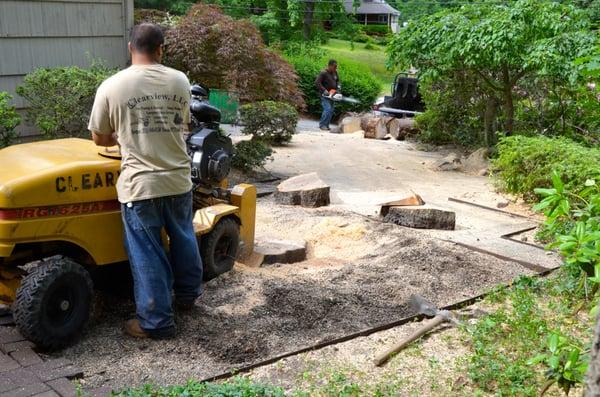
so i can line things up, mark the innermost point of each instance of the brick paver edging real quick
(23, 373)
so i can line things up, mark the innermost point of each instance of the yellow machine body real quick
(60, 195)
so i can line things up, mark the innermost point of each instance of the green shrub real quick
(356, 80)
(446, 119)
(271, 122)
(361, 37)
(527, 163)
(381, 40)
(370, 44)
(9, 120)
(60, 99)
(376, 30)
(250, 154)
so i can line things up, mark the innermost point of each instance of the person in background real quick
(327, 81)
(145, 109)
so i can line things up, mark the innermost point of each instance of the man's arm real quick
(106, 140)
(103, 131)
(319, 83)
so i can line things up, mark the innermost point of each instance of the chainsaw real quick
(336, 96)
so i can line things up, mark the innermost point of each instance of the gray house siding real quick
(50, 33)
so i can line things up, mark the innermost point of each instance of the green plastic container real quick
(227, 103)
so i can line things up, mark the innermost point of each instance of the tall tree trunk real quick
(593, 374)
(309, 11)
(491, 108)
(509, 106)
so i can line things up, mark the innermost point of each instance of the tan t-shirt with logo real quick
(148, 106)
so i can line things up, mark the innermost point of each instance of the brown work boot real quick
(133, 328)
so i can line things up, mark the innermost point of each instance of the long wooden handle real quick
(426, 327)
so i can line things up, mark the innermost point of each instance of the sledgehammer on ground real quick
(423, 306)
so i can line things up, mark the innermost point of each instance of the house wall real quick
(51, 33)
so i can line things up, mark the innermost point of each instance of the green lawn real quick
(374, 59)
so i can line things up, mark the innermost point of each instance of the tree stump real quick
(411, 201)
(281, 251)
(306, 190)
(375, 128)
(421, 218)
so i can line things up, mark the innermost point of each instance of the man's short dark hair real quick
(332, 62)
(146, 38)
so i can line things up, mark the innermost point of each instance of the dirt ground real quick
(360, 273)
(427, 367)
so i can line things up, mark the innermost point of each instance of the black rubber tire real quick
(219, 248)
(53, 303)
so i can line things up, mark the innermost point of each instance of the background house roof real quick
(371, 7)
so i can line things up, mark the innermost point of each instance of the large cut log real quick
(421, 218)
(350, 124)
(307, 190)
(375, 128)
(401, 128)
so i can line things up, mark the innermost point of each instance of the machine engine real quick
(209, 149)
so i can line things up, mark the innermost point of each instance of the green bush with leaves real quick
(273, 123)
(356, 80)
(251, 154)
(60, 99)
(565, 362)
(9, 120)
(378, 30)
(573, 221)
(573, 227)
(526, 163)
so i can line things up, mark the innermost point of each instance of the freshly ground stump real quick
(307, 190)
(281, 251)
(421, 218)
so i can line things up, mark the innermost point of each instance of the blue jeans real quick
(327, 114)
(156, 273)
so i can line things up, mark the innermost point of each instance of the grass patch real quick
(239, 387)
(374, 59)
(505, 342)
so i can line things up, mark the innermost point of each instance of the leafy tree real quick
(219, 52)
(287, 17)
(494, 49)
(175, 6)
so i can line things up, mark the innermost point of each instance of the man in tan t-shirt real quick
(145, 109)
